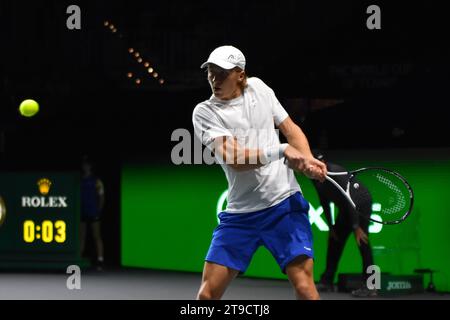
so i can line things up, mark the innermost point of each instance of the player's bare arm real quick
(298, 154)
(236, 156)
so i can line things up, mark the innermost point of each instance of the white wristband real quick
(274, 153)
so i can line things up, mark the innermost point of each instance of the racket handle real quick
(343, 173)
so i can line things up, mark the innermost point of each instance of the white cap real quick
(226, 57)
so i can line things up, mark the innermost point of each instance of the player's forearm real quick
(245, 159)
(248, 159)
(297, 139)
(259, 157)
(237, 157)
(241, 159)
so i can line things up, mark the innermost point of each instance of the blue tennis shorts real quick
(283, 229)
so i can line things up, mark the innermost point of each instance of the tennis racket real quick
(388, 192)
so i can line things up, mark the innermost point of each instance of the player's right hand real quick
(315, 169)
(311, 167)
(294, 158)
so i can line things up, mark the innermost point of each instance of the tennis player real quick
(265, 205)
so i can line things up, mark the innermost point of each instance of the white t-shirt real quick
(251, 118)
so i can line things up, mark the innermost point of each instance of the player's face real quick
(225, 84)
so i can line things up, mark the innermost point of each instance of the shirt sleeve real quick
(207, 126)
(278, 112)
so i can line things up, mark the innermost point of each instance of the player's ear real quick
(241, 75)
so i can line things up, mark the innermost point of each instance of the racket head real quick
(388, 193)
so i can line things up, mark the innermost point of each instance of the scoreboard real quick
(39, 219)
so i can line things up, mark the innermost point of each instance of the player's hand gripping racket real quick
(391, 195)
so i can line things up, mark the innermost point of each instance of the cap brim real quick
(222, 64)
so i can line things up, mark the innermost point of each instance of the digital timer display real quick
(47, 231)
(39, 218)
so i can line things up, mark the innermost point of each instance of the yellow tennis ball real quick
(29, 108)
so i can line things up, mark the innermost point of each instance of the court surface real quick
(141, 284)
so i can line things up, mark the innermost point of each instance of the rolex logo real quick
(44, 186)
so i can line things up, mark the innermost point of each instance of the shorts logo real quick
(306, 248)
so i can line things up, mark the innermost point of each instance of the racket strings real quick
(390, 196)
(397, 198)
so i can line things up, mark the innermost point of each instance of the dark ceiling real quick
(388, 81)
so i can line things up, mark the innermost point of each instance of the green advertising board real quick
(169, 214)
(39, 219)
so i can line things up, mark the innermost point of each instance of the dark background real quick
(347, 86)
